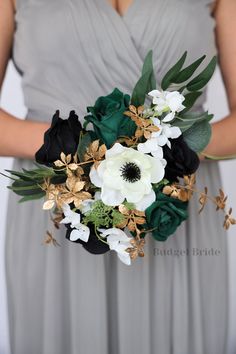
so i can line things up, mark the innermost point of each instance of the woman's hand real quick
(17, 137)
(20, 138)
(223, 142)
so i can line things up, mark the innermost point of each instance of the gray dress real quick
(63, 300)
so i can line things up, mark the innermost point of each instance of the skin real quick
(23, 138)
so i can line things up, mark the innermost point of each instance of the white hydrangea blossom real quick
(79, 231)
(167, 102)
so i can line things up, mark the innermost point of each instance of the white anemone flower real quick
(79, 231)
(167, 101)
(158, 139)
(119, 242)
(127, 174)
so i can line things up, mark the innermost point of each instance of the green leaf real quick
(186, 73)
(145, 84)
(12, 178)
(217, 158)
(148, 67)
(190, 99)
(187, 120)
(84, 142)
(198, 136)
(32, 197)
(21, 175)
(173, 72)
(42, 172)
(59, 178)
(202, 79)
(33, 175)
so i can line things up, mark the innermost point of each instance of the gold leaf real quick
(133, 109)
(102, 150)
(147, 134)
(79, 171)
(140, 110)
(79, 185)
(184, 195)
(153, 129)
(59, 163)
(123, 210)
(70, 182)
(50, 240)
(96, 164)
(57, 219)
(203, 200)
(63, 157)
(75, 158)
(220, 200)
(131, 225)
(73, 166)
(49, 204)
(167, 190)
(128, 113)
(139, 213)
(175, 193)
(66, 198)
(68, 158)
(94, 146)
(138, 133)
(87, 157)
(140, 221)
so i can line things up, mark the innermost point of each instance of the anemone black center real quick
(130, 172)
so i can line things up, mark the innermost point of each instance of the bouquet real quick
(129, 172)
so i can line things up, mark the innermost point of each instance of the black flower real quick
(62, 136)
(181, 160)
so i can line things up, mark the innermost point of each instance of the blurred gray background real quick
(12, 101)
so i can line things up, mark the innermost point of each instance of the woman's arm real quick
(223, 140)
(17, 138)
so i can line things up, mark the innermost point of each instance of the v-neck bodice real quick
(71, 52)
(127, 10)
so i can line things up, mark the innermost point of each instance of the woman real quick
(64, 300)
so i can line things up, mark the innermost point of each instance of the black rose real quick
(62, 136)
(94, 245)
(181, 160)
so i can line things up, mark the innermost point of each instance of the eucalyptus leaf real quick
(204, 77)
(198, 136)
(145, 84)
(186, 73)
(217, 158)
(45, 173)
(187, 120)
(140, 90)
(24, 189)
(58, 179)
(190, 99)
(21, 175)
(32, 197)
(85, 141)
(148, 67)
(173, 72)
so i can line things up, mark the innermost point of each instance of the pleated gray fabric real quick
(63, 300)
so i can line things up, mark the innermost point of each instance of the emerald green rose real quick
(165, 215)
(108, 119)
